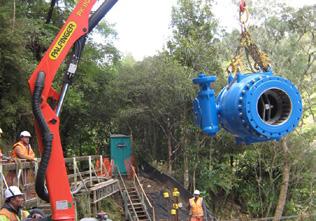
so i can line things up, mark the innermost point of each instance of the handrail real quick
(129, 198)
(82, 158)
(10, 164)
(80, 176)
(21, 164)
(144, 193)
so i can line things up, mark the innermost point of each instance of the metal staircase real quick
(137, 206)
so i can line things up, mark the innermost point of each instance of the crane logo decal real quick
(83, 7)
(62, 40)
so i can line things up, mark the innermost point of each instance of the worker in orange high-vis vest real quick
(23, 149)
(12, 208)
(197, 207)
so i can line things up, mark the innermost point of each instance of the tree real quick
(291, 45)
(192, 45)
(157, 94)
(90, 96)
(16, 62)
(22, 48)
(194, 29)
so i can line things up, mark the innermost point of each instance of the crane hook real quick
(242, 5)
(243, 14)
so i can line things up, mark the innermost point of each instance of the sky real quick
(143, 26)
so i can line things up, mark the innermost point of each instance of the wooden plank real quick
(83, 158)
(22, 164)
(103, 184)
(104, 190)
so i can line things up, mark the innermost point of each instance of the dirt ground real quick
(154, 190)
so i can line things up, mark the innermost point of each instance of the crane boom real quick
(47, 103)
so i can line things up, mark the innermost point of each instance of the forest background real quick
(152, 100)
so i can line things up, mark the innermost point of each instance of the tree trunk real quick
(285, 182)
(50, 11)
(186, 170)
(169, 147)
(13, 18)
(169, 153)
(193, 177)
(184, 143)
(210, 158)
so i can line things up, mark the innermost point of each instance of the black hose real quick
(47, 137)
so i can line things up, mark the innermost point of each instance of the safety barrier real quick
(19, 173)
(84, 178)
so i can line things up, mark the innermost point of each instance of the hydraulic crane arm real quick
(52, 165)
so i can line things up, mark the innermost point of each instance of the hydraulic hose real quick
(47, 137)
(70, 74)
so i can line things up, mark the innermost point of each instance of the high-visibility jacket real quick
(6, 215)
(23, 152)
(196, 206)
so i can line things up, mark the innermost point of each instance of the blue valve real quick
(254, 107)
(204, 105)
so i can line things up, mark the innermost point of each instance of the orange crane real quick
(47, 104)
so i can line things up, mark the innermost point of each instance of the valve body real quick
(254, 107)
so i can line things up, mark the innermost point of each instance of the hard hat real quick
(12, 191)
(1, 131)
(196, 192)
(25, 134)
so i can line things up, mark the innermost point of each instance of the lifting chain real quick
(261, 59)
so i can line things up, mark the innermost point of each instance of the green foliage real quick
(221, 179)
(15, 65)
(151, 99)
(303, 180)
(112, 208)
(194, 28)
(83, 206)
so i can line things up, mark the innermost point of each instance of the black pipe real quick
(100, 12)
(47, 137)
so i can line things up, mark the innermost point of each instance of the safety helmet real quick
(25, 134)
(11, 192)
(1, 131)
(196, 192)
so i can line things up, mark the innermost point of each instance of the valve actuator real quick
(254, 107)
